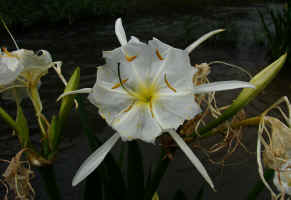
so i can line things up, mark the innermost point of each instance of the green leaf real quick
(261, 80)
(8, 119)
(22, 127)
(135, 172)
(68, 101)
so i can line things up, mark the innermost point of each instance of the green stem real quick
(48, 176)
(253, 121)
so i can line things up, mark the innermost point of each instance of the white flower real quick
(144, 90)
(23, 68)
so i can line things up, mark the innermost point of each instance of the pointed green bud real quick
(260, 81)
(68, 101)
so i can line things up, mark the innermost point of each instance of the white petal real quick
(137, 123)
(202, 39)
(119, 31)
(134, 39)
(94, 160)
(137, 70)
(162, 47)
(32, 61)
(177, 69)
(10, 68)
(172, 111)
(81, 91)
(221, 85)
(111, 102)
(191, 156)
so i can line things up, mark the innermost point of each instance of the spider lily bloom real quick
(23, 68)
(144, 90)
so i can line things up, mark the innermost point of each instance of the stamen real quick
(130, 58)
(122, 85)
(151, 109)
(159, 55)
(119, 84)
(168, 84)
(129, 107)
(8, 54)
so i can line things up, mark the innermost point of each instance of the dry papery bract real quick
(276, 139)
(231, 135)
(17, 177)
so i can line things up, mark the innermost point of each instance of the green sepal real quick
(7, 118)
(68, 101)
(260, 81)
(135, 172)
(22, 127)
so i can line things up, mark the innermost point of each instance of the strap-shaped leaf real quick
(68, 101)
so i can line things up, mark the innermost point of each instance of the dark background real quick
(76, 32)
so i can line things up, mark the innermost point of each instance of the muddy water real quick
(81, 45)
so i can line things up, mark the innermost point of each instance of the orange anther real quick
(118, 84)
(159, 55)
(168, 84)
(8, 54)
(130, 58)
(129, 107)
(151, 109)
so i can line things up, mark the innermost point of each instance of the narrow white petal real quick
(94, 160)
(81, 91)
(221, 85)
(204, 37)
(120, 33)
(192, 157)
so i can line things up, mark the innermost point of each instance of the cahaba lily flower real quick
(23, 68)
(144, 90)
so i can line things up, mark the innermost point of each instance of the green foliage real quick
(68, 101)
(278, 41)
(260, 81)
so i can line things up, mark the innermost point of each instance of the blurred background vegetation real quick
(26, 13)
